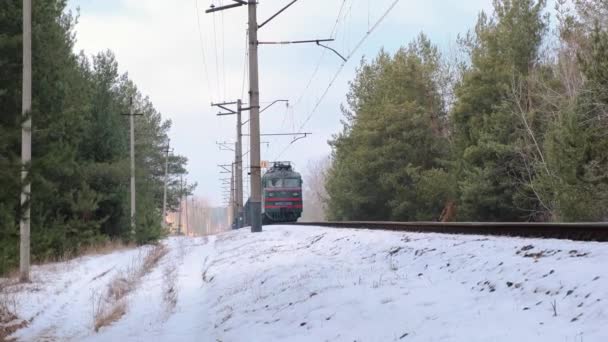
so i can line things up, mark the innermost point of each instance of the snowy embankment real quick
(316, 284)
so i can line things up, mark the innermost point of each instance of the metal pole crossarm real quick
(276, 14)
(221, 8)
(273, 102)
(304, 135)
(224, 103)
(226, 108)
(285, 42)
(316, 41)
(333, 50)
(280, 134)
(224, 146)
(226, 168)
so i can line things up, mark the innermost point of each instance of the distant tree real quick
(315, 195)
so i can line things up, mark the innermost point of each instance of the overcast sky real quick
(158, 43)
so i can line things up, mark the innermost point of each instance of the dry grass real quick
(9, 322)
(107, 247)
(101, 248)
(106, 316)
(170, 288)
(110, 306)
(152, 258)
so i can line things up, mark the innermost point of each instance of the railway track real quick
(565, 231)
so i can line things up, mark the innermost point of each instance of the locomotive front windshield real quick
(291, 182)
(284, 183)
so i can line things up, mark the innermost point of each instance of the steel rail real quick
(566, 231)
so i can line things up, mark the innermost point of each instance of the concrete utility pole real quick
(238, 168)
(254, 122)
(26, 144)
(181, 197)
(187, 218)
(232, 197)
(131, 116)
(165, 185)
(132, 129)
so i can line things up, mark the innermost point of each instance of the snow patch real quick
(293, 283)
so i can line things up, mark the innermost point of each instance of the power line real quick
(315, 70)
(223, 52)
(348, 57)
(200, 39)
(361, 41)
(318, 65)
(245, 64)
(348, 16)
(217, 73)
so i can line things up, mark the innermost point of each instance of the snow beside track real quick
(296, 283)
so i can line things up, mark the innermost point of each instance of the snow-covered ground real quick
(315, 284)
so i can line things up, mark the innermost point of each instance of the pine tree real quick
(392, 139)
(503, 50)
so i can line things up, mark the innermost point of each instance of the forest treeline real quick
(80, 143)
(513, 127)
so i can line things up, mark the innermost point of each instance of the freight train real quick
(281, 195)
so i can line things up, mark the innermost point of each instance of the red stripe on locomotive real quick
(292, 206)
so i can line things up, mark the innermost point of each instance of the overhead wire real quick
(348, 57)
(317, 66)
(315, 70)
(200, 39)
(346, 35)
(217, 73)
(245, 64)
(223, 51)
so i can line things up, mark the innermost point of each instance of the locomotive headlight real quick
(270, 194)
(295, 194)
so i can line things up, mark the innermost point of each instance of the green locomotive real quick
(281, 195)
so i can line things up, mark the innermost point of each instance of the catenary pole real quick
(239, 165)
(254, 122)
